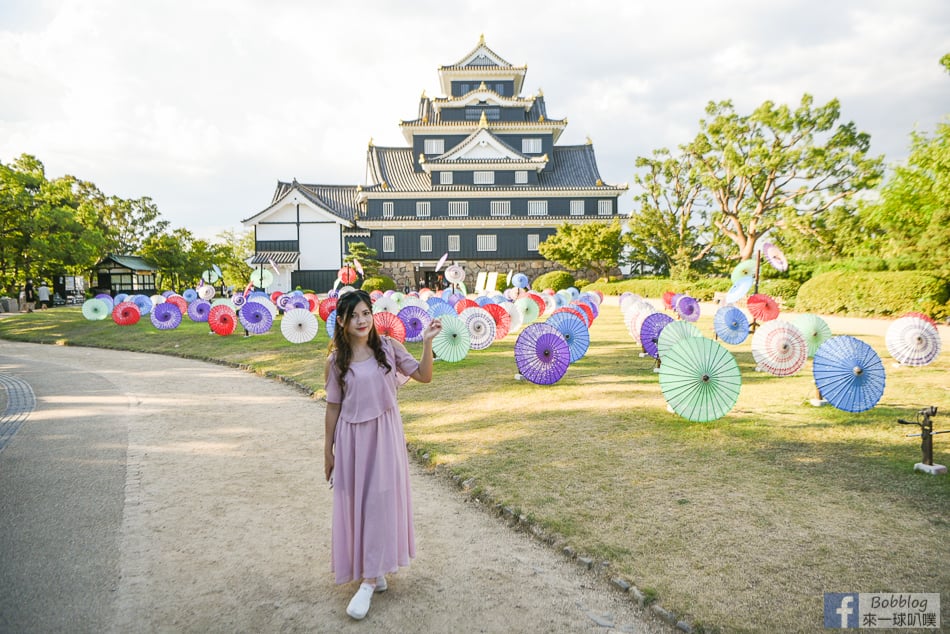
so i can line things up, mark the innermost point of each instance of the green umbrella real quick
(814, 329)
(744, 269)
(672, 333)
(700, 379)
(529, 310)
(453, 342)
(95, 309)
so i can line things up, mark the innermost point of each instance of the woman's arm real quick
(424, 373)
(332, 416)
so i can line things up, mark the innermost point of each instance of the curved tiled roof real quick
(340, 200)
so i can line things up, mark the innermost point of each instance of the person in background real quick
(29, 296)
(43, 294)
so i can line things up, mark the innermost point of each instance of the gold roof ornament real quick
(425, 119)
(481, 39)
(540, 118)
(589, 142)
(540, 92)
(359, 188)
(600, 183)
(385, 185)
(483, 121)
(482, 86)
(371, 141)
(422, 157)
(423, 94)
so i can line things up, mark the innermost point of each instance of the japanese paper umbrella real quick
(331, 323)
(574, 331)
(385, 305)
(390, 325)
(326, 307)
(126, 314)
(415, 319)
(95, 309)
(221, 319)
(731, 325)
(762, 307)
(775, 256)
(464, 304)
(672, 333)
(585, 309)
(454, 274)
(239, 300)
(299, 325)
(779, 348)
(190, 295)
(923, 316)
(744, 269)
(453, 341)
(198, 310)
(144, 302)
(439, 307)
(542, 354)
(481, 327)
(346, 275)
(536, 297)
(688, 308)
(514, 316)
(519, 280)
(441, 262)
(166, 316)
(700, 379)
(849, 373)
(814, 329)
(262, 278)
(255, 318)
(502, 319)
(739, 290)
(179, 301)
(912, 341)
(650, 332)
(528, 308)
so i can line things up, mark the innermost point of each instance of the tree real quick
(669, 231)
(234, 250)
(779, 168)
(129, 224)
(365, 255)
(593, 245)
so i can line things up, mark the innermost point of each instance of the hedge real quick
(878, 293)
(379, 283)
(556, 280)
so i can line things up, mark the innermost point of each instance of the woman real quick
(365, 452)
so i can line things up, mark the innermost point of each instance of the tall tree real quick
(129, 224)
(595, 246)
(779, 167)
(365, 255)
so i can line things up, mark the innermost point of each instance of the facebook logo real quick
(841, 609)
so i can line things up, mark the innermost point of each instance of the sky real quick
(204, 106)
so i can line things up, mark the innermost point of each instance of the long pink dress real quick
(372, 505)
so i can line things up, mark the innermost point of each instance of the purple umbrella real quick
(650, 332)
(255, 318)
(687, 307)
(238, 300)
(542, 354)
(166, 316)
(415, 318)
(198, 310)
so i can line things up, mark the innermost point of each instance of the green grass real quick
(741, 523)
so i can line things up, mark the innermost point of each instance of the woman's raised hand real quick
(433, 329)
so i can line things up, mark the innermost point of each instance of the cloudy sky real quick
(203, 105)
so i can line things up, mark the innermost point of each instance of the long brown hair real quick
(340, 344)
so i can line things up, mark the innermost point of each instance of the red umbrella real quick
(464, 303)
(926, 318)
(587, 310)
(762, 307)
(668, 299)
(390, 325)
(126, 314)
(179, 301)
(273, 296)
(327, 306)
(347, 275)
(542, 306)
(222, 318)
(573, 311)
(502, 319)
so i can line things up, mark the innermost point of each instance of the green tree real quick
(365, 255)
(234, 251)
(669, 231)
(779, 168)
(129, 224)
(593, 245)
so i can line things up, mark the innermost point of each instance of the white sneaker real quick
(359, 604)
(381, 585)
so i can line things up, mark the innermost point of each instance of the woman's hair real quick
(340, 344)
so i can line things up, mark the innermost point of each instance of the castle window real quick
(577, 207)
(605, 207)
(533, 240)
(387, 210)
(445, 178)
(537, 208)
(484, 178)
(422, 209)
(521, 177)
(486, 243)
(455, 244)
(530, 146)
(434, 146)
(501, 207)
(458, 209)
(389, 244)
(425, 244)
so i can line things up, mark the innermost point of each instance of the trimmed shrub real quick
(787, 290)
(378, 283)
(556, 280)
(870, 294)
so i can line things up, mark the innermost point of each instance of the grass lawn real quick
(739, 524)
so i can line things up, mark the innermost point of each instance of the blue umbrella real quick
(650, 332)
(731, 325)
(574, 331)
(144, 303)
(190, 295)
(331, 323)
(848, 374)
(739, 290)
(519, 280)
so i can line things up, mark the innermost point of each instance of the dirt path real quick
(225, 521)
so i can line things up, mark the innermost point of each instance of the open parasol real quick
(650, 332)
(775, 256)
(739, 290)
(190, 295)
(743, 270)
(687, 308)
(346, 275)
(762, 307)
(923, 316)
(464, 304)
(700, 379)
(110, 302)
(574, 331)
(299, 325)
(455, 274)
(390, 325)
(206, 292)
(331, 323)
(95, 309)
(519, 280)
(779, 348)
(415, 319)
(731, 325)
(262, 278)
(255, 318)
(179, 301)
(481, 327)
(502, 319)
(198, 310)
(119, 298)
(814, 329)
(585, 309)
(441, 262)
(672, 333)
(385, 305)
(126, 314)
(166, 316)
(210, 276)
(912, 341)
(849, 373)
(542, 354)
(439, 307)
(144, 303)
(221, 319)
(284, 301)
(453, 341)
(668, 299)
(528, 308)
